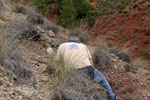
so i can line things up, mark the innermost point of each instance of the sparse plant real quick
(79, 86)
(146, 54)
(125, 11)
(121, 29)
(35, 18)
(121, 6)
(101, 58)
(85, 37)
(142, 2)
(42, 6)
(122, 54)
(139, 62)
(135, 5)
(20, 9)
(63, 73)
(48, 25)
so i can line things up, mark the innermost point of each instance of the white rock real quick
(51, 33)
(50, 50)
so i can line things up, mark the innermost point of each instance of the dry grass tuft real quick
(35, 18)
(74, 84)
(84, 36)
(139, 62)
(79, 86)
(121, 53)
(20, 9)
(102, 59)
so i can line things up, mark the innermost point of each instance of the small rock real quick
(40, 29)
(146, 98)
(114, 60)
(141, 84)
(51, 33)
(50, 50)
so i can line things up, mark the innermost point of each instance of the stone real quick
(50, 50)
(51, 33)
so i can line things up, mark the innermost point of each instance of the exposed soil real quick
(129, 30)
(93, 2)
(132, 31)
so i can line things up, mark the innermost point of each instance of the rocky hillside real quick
(28, 43)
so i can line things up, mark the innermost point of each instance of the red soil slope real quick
(93, 3)
(131, 30)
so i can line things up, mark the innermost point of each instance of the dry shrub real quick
(11, 57)
(48, 25)
(122, 54)
(79, 86)
(35, 18)
(24, 30)
(74, 84)
(85, 37)
(101, 58)
(141, 63)
(20, 9)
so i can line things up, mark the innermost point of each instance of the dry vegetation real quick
(139, 62)
(11, 57)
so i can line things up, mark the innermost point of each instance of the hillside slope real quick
(130, 30)
(27, 67)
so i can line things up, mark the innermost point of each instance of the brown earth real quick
(131, 30)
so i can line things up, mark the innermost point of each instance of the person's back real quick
(75, 55)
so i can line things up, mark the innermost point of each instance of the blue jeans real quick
(97, 76)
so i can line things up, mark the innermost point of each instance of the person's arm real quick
(59, 54)
(92, 62)
(90, 57)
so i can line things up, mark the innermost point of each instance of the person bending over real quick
(76, 55)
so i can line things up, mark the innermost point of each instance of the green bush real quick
(42, 6)
(106, 6)
(94, 12)
(83, 9)
(68, 13)
(74, 11)
(125, 11)
(107, 10)
(135, 5)
(91, 21)
(58, 3)
(121, 6)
